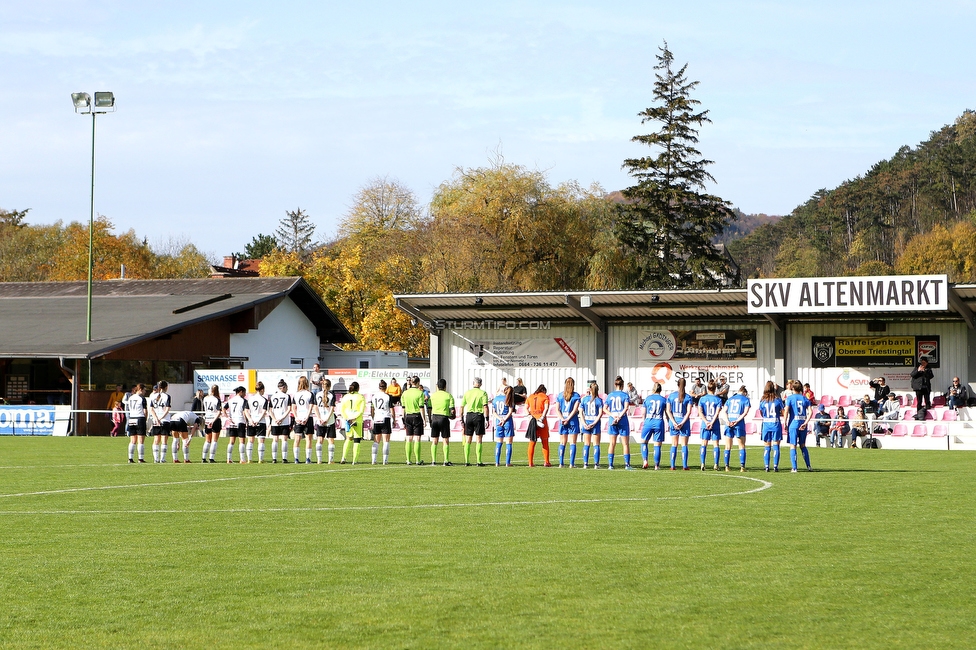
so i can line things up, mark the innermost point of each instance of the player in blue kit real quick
(771, 409)
(798, 415)
(709, 408)
(569, 403)
(504, 407)
(616, 408)
(736, 410)
(591, 408)
(679, 416)
(655, 407)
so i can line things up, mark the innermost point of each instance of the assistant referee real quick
(414, 418)
(474, 411)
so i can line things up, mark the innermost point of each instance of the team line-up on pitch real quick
(249, 420)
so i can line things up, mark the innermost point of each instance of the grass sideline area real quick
(874, 549)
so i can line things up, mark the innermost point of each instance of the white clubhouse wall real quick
(284, 334)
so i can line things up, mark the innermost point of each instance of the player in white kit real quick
(183, 425)
(380, 413)
(325, 421)
(236, 426)
(159, 413)
(280, 416)
(212, 407)
(135, 417)
(257, 421)
(304, 425)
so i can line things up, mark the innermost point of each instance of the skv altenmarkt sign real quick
(863, 294)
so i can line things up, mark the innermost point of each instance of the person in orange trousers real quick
(538, 405)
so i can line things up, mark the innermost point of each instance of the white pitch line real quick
(305, 472)
(764, 485)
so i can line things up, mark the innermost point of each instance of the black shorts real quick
(474, 424)
(162, 429)
(325, 430)
(280, 429)
(394, 400)
(440, 426)
(257, 430)
(179, 426)
(137, 426)
(236, 431)
(304, 428)
(213, 427)
(382, 427)
(414, 424)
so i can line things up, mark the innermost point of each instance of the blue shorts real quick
(652, 429)
(683, 431)
(505, 431)
(772, 434)
(712, 434)
(797, 436)
(621, 428)
(737, 431)
(595, 431)
(570, 429)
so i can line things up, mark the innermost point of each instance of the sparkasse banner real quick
(857, 294)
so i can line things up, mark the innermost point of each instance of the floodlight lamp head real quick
(82, 102)
(105, 100)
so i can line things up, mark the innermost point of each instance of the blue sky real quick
(230, 113)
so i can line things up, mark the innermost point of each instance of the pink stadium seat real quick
(949, 415)
(940, 431)
(696, 426)
(521, 426)
(938, 400)
(920, 431)
(603, 396)
(635, 425)
(521, 411)
(851, 412)
(638, 413)
(908, 413)
(832, 412)
(900, 430)
(844, 400)
(552, 398)
(458, 426)
(750, 428)
(554, 411)
(827, 400)
(930, 414)
(757, 415)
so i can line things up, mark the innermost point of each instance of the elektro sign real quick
(853, 294)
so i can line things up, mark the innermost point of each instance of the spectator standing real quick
(922, 383)
(881, 389)
(394, 391)
(521, 392)
(315, 380)
(118, 418)
(956, 395)
(197, 405)
(722, 389)
(697, 391)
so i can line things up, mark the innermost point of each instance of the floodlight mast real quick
(84, 106)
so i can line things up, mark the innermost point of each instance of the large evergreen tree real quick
(667, 222)
(295, 231)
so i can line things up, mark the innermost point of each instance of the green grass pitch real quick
(875, 549)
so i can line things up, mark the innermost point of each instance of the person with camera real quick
(956, 395)
(881, 389)
(922, 383)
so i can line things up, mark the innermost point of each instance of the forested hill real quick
(912, 213)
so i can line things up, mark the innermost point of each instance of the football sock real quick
(261, 448)
(295, 451)
(793, 457)
(407, 447)
(355, 452)
(684, 455)
(416, 450)
(674, 456)
(213, 449)
(477, 451)
(572, 454)
(776, 456)
(596, 454)
(240, 451)
(176, 449)
(586, 454)
(230, 452)
(274, 449)
(284, 450)
(162, 453)
(155, 451)
(132, 450)
(742, 458)
(206, 448)
(498, 453)
(610, 460)
(186, 450)
(332, 450)
(545, 450)
(376, 448)
(657, 455)
(447, 451)
(142, 451)
(508, 453)
(562, 453)
(345, 448)
(250, 451)
(466, 447)
(531, 453)
(728, 456)
(704, 453)
(318, 451)
(308, 451)
(766, 457)
(806, 455)
(644, 451)
(433, 451)
(717, 451)
(386, 452)
(626, 460)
